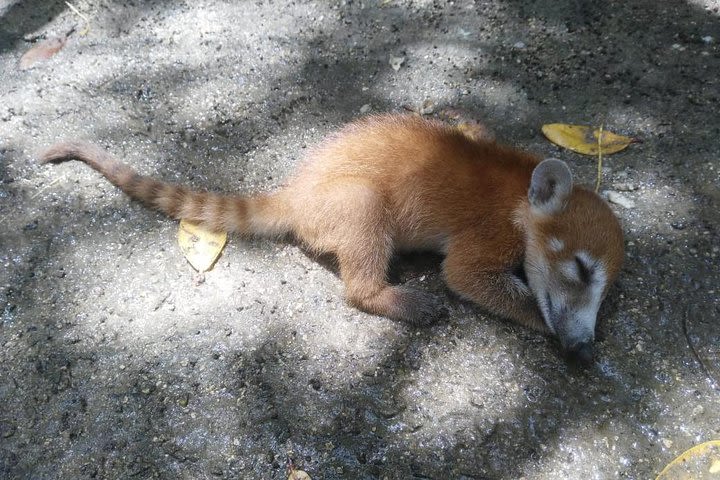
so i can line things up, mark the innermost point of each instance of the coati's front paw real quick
(418, 308)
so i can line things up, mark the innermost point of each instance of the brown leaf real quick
(42, 51)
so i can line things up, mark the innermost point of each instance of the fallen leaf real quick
(586, 140)
(298, 475)
(701, 462)
(42, 51)
(201, 247)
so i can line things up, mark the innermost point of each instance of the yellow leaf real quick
(201, 247)
(701, 462)
(585, 140)
(298, 475)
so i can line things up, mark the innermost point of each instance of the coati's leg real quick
(470, 273)
(352, 220)
(367, 289)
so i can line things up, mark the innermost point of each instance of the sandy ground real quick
(119, 362)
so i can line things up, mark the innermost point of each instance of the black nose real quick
(582, 352)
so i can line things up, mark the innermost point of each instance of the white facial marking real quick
(520, 286)
(556, 245)
(570, 270)
(586, 258)
(588, 315)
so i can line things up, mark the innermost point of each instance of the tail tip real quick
(60, 152)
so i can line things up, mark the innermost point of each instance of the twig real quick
(46, 187)
(77, 12)
(5, 217)
(698, 358)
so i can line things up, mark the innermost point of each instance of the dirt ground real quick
(118, 361)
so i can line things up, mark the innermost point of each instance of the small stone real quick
(520, 45)
(698, 410)
(678, 225)
(625, 187)
(7, 430)
(365, 108)
(396, 62)
(427, 108)
(667, 442)
(620, 199)
(708, 39)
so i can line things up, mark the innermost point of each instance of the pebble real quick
(365, 108)
(678, 225)
(427, 108)
(625, 187)
(707, 39)
(396, 62)
(520, 45)
(620, 199)
(698, 410)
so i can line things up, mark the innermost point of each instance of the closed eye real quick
(585, 272)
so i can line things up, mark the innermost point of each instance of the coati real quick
(519, 238)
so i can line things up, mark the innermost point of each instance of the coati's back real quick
(436, 179)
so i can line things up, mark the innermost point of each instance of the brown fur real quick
(389, 183)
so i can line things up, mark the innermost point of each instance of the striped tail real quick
(258, 215)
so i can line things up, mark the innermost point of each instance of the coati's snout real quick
(575, 330)
(582, 353)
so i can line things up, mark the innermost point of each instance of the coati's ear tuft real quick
(550, 186)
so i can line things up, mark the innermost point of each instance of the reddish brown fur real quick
(383, 184)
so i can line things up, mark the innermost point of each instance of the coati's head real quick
(574, 250)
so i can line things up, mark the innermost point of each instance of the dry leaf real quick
(585, 140)
(42, 51)
(298, 475)
(701, 462)
(201, 247)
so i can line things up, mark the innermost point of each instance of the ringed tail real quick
(264, 214)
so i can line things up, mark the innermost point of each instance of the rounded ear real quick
(550, 186)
